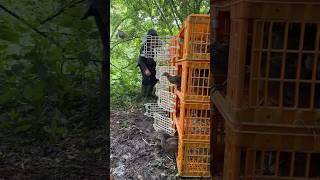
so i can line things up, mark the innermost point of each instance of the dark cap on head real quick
(152, 32)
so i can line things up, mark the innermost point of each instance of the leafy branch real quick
(174, 15)
(123, 41)
(163, 16)
(26, 23)
(60, 11)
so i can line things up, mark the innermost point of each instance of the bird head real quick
(166, 74)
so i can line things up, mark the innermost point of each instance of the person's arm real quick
(144, 66)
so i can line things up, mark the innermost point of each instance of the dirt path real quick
(133, 153)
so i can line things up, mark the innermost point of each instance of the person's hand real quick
(147, 72)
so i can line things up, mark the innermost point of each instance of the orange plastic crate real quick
(253, 155)
(193, 38)
(173, 49)
(195, 81)
(193, 159)
(193, 121)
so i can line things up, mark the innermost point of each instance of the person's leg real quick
(144, 88)
(149, 90)
(144, 91)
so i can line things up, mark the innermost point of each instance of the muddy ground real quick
(77, 157)
(134, 153)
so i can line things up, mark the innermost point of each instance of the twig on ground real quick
(147, 142)
(169, 158)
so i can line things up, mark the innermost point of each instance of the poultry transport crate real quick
(270, 9)
(164, 84)
(282, 86)
(274, 66)
(195, 81)
(163, 121)
(173, 50)
(274, 55)
(256, 154)
(152, 108)
(158, 47)
(217, 142)
(172, 70)
(193, 158)
(193, 38)
(164, 87)
(193, 121)
(167, 100)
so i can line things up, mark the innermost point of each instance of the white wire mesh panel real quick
(163, 87)
(163, 122)
(158, 87)
(172, 70)
(152, 108)
(158, 47)
(167, 100)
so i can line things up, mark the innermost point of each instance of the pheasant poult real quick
(168, 143)
(173, 79)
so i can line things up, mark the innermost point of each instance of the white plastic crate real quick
(167, 100)
(163, 122)
(164, 86)
(158, 87)
(172, 70)
(158, 47)
(152, 108)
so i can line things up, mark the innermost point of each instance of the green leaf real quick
(9, 35)
(54, 125)
(85, 57)
(55, 54)
(23, 128)
(17, 68)
(34, 93)
(7, 96)
(46, 129)
(61, 130)
(14, 49)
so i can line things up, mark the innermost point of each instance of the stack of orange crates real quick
(271, 107)
(192, 116)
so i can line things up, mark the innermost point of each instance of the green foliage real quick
(124, 124)
(50, 60)
(135, 18)
(49, 67)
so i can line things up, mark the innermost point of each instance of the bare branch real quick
(26, 23)
(174, 15)
(176, 10)
(123, 41)
(60, 11)
(163, 16)
(149, 11)
(116, 67)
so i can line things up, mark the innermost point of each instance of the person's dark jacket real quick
(147, 63)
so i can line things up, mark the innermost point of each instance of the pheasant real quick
(167, 142)
(173, 79)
